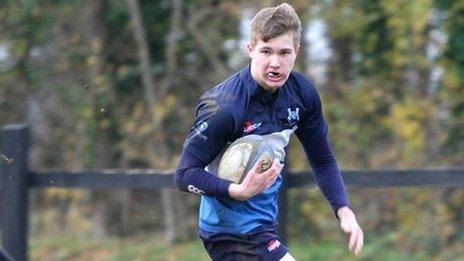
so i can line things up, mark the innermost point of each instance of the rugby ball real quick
(241, 155)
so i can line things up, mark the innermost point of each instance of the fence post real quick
(15, 173)
(283, 207)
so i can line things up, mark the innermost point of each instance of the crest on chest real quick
(293, 116)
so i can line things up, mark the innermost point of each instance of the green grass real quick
(339, 251)
(151, 247)
(114, 249)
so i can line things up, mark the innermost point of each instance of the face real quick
(272, 61)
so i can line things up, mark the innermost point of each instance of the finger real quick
(272, 179)
(258, 164)
(276, 171)
(255, 168)
(276, 174)
(355, 248)
(276, 167)
(281, 167)
(353, 238)
(276, 162)
(271, 169)
(273, 173)
(360, 243)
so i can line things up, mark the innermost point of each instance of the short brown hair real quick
(272, 22)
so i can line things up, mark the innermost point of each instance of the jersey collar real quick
(255, 90)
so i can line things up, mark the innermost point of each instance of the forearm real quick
(330, 182)
(190, 176)
(327, 173)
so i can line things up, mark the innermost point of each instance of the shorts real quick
(258, 245)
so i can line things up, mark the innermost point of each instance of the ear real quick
(249, 48)
(297, 49)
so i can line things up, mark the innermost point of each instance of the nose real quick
(274, 61)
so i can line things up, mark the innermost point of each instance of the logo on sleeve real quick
(250, 126)
(293, 115)
(195, 190)
(197, 131)
(273, 244)
(202, 126)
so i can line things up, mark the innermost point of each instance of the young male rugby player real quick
(237, 221)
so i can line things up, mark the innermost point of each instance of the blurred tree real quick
(99, 96)
(452, 98)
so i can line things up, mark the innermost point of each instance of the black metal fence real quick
(17, 180)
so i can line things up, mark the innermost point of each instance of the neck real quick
(261, 84)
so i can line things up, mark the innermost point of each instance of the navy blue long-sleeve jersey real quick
(238, 107)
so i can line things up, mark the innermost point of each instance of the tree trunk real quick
(303, 53)
(170, 198)
(124, 197)
(181, 207)
(171, 47)
(95, 35)
(207, 48)
(143, 53)
(99, 221)
(151, 98)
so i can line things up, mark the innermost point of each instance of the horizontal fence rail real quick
(156, 179)
(382, 178)
(106, 179)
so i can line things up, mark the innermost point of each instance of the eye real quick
(286, 52)
(265, 52)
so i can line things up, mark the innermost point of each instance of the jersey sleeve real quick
(312, 125)
(212, 130)
(312, 133)
(326, 172)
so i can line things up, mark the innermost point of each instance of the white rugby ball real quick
(241, 155)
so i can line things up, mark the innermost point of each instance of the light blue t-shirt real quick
(226, 215)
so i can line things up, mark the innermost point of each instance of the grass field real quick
(152, 248)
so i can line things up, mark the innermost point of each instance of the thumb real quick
(257, 165)
(345, 226)
(253, 171)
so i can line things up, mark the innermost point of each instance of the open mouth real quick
(274, 76)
